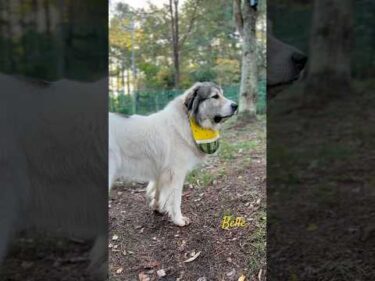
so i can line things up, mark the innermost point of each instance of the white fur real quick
(50, 178)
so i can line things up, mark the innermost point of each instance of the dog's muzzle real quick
(220, 118)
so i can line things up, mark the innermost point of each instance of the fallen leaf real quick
(294, 277)
(193, 257)
(182, 246)
(312, 227)
(161, 273)
(143, 277)
(242, 278)
(231, 273)
(118, 271)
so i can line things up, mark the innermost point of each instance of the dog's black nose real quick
(234, 106)
(299, 60)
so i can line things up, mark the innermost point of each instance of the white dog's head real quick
(205, 101)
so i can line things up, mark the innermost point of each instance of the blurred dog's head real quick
(206, 103)
(285, 62)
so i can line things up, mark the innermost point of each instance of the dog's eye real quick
(215, 96)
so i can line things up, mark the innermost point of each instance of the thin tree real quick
(245, 17)
(178, 40)
(329, 70)
(173, 11)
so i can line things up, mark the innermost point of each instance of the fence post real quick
(156, 99)
(134, 102)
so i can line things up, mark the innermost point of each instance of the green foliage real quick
(227, 71)
(71, 47)
(203, 74)
(199, 177)
(152, 100)
(229, 151)
(257, 240)
(209, 48)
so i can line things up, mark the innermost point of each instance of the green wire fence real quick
(149, 101)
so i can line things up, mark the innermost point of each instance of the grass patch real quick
(229, 151)
(257, 242)
(200, 178)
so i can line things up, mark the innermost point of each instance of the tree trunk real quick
(123, 78)
(134, 71)
(173, 10)
(60, 41)
(128, 81)
(47, 17)
(12, 63)
(329, 72)
(245, 17)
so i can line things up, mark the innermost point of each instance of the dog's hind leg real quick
(9, 209)
(152, 193)
(98, 268)
(150, 190)
(113, 165)
(14, 192)
(170, 188)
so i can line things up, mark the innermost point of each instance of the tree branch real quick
(238, 19)
(172, 20)
(191, 24)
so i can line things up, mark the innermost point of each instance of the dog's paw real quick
(98, 267)
(154, 205)
(181, 221)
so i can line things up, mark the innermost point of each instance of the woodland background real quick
(158, 51)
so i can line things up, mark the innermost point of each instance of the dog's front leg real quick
(170, 193)
(152, 193)
(14, 191)
(98, 268)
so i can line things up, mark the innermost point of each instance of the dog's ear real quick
(191, 100)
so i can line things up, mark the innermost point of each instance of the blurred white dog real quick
(53, 161)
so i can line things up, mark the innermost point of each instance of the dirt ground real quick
(321, 187)
(233, 182)
(40, 257)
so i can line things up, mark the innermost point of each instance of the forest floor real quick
(41, 257)
(321, 186)
(231, 183)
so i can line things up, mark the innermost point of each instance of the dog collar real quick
(206, 139)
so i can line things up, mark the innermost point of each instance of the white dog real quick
(161, 148)
(53, 161)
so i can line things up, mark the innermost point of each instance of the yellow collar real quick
(206, 139)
